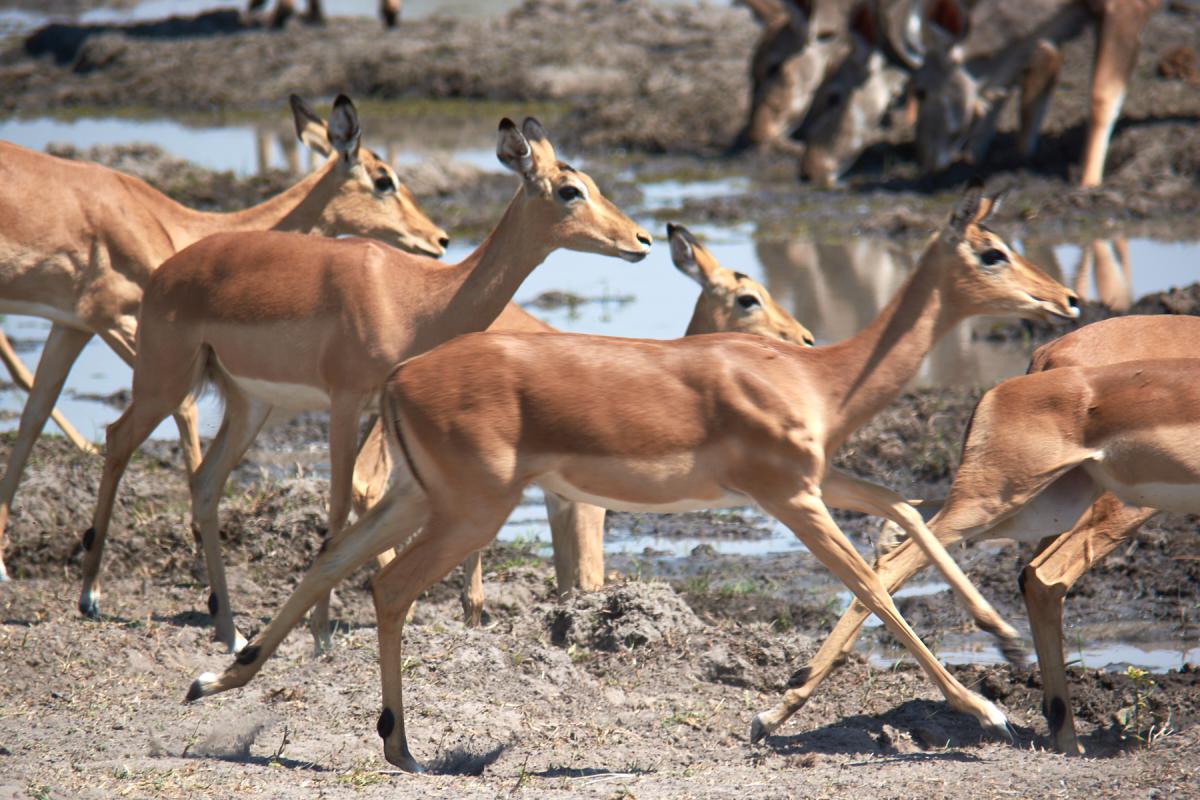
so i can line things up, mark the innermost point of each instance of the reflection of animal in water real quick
(973, 63)
(1108, 261)
(729, 302)
(389, 10)
(838, 287)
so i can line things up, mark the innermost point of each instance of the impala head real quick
(564, 201)
(729, 301)
(848, 107)
(955, 113)
(370, 200)
(987, 275)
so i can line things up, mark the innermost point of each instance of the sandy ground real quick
(647, 689)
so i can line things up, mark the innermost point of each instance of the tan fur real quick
(280, 319)
(577, 529)
(86, 265)
(721, 419)
(1050, 416)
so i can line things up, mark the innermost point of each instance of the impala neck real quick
(874, 365)
(297, 208)
(485, 281)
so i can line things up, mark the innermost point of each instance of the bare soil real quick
(646, 689)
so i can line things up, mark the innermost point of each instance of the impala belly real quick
(1181, 495)
(289, 396)
(666, 485)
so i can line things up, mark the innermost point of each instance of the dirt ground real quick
(646, 689)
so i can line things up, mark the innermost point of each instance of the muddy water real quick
(834, 286)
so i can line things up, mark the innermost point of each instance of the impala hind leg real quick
(395, 520)
(244, 417)
(343, 440)
(577, 531)
(63, 346)
(438, 548)
(1117, 42)
(809, 519)
(1044, 584)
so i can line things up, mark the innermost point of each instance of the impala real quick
(389, 11)
(975, 512)
(85, 266)
(729, 302)
(699, 422)
(960, 98)
(278, 320)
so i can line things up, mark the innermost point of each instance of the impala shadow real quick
(930, 722)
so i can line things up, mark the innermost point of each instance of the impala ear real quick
(344, 131)
(969, 207)
(683, 253)
(513, 150)
(310, 128)
(539, 142)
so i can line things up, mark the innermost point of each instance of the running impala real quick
(635, 424)
(1041, 502)
(279, 320)
(85, 266)
(729, 302)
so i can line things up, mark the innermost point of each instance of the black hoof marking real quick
(1021, 582)
(89, 538)
(1057, 715)
(800, 677)
(386, 724)
(89, 608)
(195, 692)
(213, 605)
(248, 655)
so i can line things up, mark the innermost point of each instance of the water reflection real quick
(836, 288)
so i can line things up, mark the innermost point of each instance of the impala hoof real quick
(89, 605)
(759, 729)
(1014, 652)
(404, 761)
(996, 723)
(201, 687)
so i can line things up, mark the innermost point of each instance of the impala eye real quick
(569, 193)
(991, 258)
(748, 301)
(384, 184)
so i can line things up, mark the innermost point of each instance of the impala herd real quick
(476, 399)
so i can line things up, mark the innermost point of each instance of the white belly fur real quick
(287, 396)
(1183, 498)
(555, 483)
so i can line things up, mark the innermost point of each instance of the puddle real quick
(23, 20)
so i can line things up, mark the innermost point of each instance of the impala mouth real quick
(422, 248)
(633, 256)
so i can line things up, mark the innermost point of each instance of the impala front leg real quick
(63, 346)
(841, 490)
(894, 571)
(809, 519)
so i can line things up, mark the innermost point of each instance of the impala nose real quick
(1073, 303)
(444, 241)
(644, 239)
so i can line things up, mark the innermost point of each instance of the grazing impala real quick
(729, 302)
(994, 496)
(84, 267)
(389, 11)
(646, 425)
(960, 97)
(283, 321)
